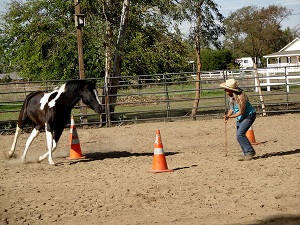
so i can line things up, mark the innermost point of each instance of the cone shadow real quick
(93, 156)
(185, 167)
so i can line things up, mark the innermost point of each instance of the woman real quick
(243, 111)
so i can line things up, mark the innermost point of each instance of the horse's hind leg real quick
(50, 141)
(42, 157)
(13, 147)
(35, 132)
(22, 121)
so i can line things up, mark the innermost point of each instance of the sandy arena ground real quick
(113, 185)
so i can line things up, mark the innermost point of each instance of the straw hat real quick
(231, 84)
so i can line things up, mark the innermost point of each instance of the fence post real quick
(167, 97)
(286, 74)
(268, 81)
(225, 95)
(106, 97)
(257, 82)
(287, 87)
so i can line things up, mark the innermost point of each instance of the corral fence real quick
(167, 97)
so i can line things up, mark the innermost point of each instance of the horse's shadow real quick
(281, 153)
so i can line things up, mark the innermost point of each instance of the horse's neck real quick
(74, 102)
(72, 99)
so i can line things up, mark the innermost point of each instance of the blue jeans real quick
(241, 129)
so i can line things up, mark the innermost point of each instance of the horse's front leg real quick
(42, 157)
(35, 132)
(13, 146)
(49, 137)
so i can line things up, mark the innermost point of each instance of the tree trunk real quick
(113, 80)
(107, 75)
(198, 81)
(105, 119)
(198, 55)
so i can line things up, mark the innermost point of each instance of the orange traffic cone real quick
(75, 151)
(159, 164)
(251, 137)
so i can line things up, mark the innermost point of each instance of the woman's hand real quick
(225, 117)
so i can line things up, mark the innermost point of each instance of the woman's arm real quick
(242, 108)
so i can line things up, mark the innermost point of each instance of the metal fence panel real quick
(167, 97)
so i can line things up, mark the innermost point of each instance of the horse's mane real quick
(75, 86)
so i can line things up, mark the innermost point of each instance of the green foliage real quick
(152, 52)
(256, 31)
(42, 43)
(207, 19)
(216, 59)
(39, 39)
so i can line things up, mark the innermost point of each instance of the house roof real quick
(284, 53)
(290, 44)
(291, 49)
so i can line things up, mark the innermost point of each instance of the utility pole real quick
(79, 23)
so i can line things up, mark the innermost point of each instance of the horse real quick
(52, 111)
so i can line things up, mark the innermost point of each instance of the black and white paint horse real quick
(52, 111)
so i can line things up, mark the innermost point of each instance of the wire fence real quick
(167, 97)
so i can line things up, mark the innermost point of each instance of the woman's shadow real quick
(281, 153)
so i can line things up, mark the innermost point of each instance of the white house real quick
(13, 76)
(287, 56)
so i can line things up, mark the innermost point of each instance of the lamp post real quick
(79, 23)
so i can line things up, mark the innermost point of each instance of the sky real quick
(228, 6)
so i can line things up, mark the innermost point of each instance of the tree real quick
(40, 46)
(207, 29)
(219, 59)
(112, 83)
(154, 50)
(149, 42)
(38, 38)
(255, 31)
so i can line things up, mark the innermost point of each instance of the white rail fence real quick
(268, 77)
(279, 76)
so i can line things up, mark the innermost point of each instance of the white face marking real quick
(96, 94)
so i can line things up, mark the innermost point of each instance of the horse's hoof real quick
(40, 159)
(9, 155)
(52, 163)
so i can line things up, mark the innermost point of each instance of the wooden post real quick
(83, 107)
(259, 90)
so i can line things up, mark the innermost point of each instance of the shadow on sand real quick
(278, 220)
(95, 156)
(272, 154)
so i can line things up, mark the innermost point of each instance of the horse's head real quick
(90, 96)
